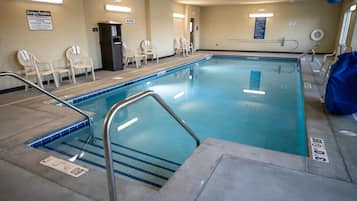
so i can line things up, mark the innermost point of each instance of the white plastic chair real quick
(130, 55)
(177, 46)
(149, 50)
(33, 67)
(187, 47)
(61, 67)
(78, 59)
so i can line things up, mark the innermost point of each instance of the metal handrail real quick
(106, 134)
(14, 75)
(313, 53)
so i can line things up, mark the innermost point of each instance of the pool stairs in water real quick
(137, 165)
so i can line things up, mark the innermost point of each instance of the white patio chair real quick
(177, 46)
(187, 47)
(61, 67)
(33, 67)
(130, 55)
(78, 59)
(149, 50)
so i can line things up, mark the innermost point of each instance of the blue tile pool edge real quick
(46, 138)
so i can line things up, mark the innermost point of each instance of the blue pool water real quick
(253, 101)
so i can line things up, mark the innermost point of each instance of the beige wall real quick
(179, 23)
(69, 28)
(162, 26)
(228, 27)
(193, 12)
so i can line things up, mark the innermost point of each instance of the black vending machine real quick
(111, 46)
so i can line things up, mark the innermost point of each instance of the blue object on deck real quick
(341, 90)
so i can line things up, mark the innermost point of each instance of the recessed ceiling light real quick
(178, 15)
(254, 15)
(114, 8)
(49, 1)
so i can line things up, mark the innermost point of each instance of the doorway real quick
(344, 30)
(192, 30)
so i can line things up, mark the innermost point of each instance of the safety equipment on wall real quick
(317, 35)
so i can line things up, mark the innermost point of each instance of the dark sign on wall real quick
(259, 30)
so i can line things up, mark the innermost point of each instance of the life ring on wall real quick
(317, 35)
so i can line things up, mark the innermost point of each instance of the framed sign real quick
(130, 21)
(39, 20)
(259, 30)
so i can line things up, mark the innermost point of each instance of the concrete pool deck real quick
(24, 119)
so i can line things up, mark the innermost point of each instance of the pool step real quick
(158, 160)
(134, 164)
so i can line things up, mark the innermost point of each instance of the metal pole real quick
(106, 134)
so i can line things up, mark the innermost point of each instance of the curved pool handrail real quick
(106, 134)
(18, 77)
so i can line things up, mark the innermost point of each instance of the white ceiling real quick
(231, 2)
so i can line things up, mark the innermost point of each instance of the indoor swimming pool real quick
(248, 100)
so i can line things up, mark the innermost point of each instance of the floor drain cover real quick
(348, 133)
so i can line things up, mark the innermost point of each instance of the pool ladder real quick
(18, 77)
(106, 134)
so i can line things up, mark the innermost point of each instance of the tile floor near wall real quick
(217, 170)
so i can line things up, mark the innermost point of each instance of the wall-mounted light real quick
(178, 15)
(353, 7)
(254, 15)
(49, 1)
(117, 8)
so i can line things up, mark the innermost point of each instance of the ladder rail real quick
(18, 77)
(107, 140)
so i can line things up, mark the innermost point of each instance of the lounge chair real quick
(149, 50)
(130, 55)
(187, 47)
(33, 67)
(78, 59)
(61, 67)
(177, 46)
